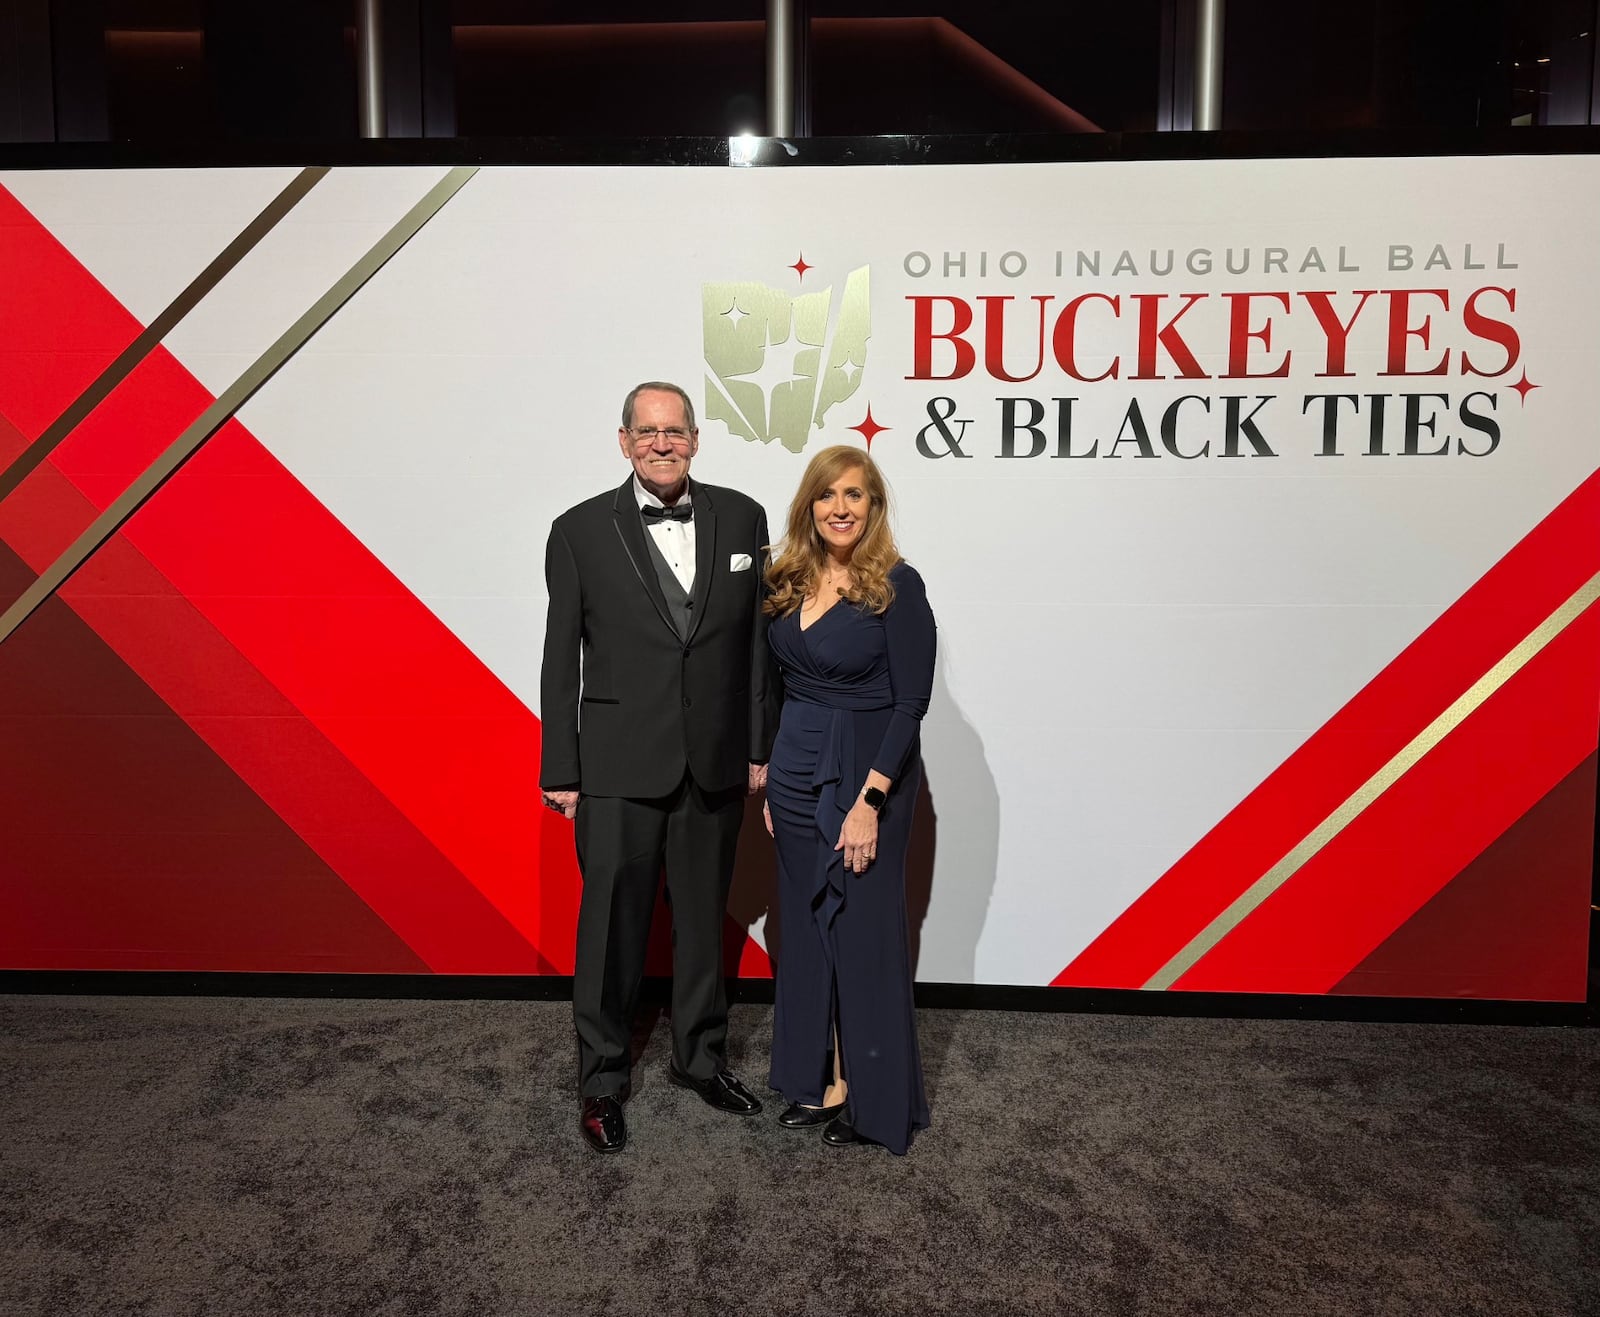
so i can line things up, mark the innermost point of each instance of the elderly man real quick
(652, 741)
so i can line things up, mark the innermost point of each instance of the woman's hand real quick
(858, 838)
(766, 817)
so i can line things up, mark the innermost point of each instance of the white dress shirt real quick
(675, 539)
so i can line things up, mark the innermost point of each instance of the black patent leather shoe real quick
(722, 1091)
(602, 1124)
(840, 1133)
(797, 1117)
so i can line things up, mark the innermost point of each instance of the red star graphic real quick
(1523, 388)
(800, 267)
(869, 429)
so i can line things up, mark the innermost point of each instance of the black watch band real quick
(874, 798)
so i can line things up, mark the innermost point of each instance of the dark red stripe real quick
(129, 844)
(1513, 925)
(279, 582)
(1549, 564)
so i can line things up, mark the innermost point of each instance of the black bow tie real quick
(683, 512)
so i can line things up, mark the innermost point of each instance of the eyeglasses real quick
(673, 434)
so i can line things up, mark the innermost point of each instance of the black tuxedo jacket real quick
(647, 702)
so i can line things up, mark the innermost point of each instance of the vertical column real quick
(788, 39)
(1175, 90)
(407, 31)
(372, 116)
(1594, 117)
(1208, 64)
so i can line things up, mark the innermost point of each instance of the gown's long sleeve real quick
(910, 635)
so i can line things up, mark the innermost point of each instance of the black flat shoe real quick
(601, 1123)
(840, 1133)
(722, 1091)
(797, 1117)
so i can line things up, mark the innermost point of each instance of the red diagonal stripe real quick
(130, 845)
(58, 327)
(1542, 571)
(273, 748)
(287, 587)
(11, 442)
(1422, 832)
(1504, 926)
(364, 660)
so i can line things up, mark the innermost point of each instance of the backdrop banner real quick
(1257, 501)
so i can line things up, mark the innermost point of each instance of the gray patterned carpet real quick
(211, 1156)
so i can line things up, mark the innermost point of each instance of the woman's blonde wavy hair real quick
(796, 566)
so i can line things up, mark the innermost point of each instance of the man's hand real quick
(564, 803)
(758, 779)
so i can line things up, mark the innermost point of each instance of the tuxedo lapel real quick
(630, 530)
(705, 552)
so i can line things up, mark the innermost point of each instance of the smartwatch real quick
(874, 798)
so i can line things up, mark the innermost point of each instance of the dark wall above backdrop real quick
(223, 70)
(1434, 63)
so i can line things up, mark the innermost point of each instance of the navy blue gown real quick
(855, 687)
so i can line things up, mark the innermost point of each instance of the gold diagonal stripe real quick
(141, 347)
(1376, 785)
(235, 396)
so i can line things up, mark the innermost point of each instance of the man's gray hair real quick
(660, 386)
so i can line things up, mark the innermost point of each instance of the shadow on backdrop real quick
(957, 830)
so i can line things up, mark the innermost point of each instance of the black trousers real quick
(623, 846)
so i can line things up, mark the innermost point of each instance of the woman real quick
(854, 639)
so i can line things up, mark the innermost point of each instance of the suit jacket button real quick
(687, 701)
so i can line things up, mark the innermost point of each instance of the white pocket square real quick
(740, 562)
